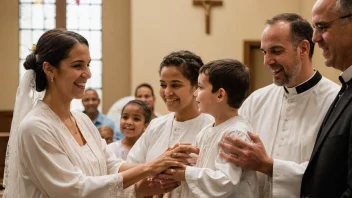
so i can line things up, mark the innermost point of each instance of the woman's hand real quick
(190, 159)
(175, 157)
(149, 187)
(170, 158)
(177, 174)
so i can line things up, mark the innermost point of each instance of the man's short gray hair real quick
(343, 7)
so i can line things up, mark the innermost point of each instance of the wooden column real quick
(61, 14)
(4, 138)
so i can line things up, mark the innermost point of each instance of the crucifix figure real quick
(207, 5)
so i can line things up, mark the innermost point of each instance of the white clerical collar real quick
(346, 76)
(311, 82)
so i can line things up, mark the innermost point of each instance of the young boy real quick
(222, 87)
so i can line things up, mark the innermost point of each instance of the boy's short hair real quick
(232, 76)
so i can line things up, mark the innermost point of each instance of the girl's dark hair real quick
(52, 47)
(186, 62)
(146, 110)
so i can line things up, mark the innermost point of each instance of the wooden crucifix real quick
(207, 5)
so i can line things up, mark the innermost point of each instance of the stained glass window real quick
(82, 16)
(35, 17)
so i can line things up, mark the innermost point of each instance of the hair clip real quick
(34, 47)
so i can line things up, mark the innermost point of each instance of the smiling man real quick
(91, 103)
(287, 114)
(329, 172)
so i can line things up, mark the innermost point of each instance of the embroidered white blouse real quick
(53, 164)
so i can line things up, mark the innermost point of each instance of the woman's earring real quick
(51, 79)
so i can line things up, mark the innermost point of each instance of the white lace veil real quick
(26, 98)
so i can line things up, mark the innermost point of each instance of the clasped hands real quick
(175, 174)
(174, 158)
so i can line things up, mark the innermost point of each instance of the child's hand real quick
(177, 174)
(178, 144)
(164, 182)
(192, 160)
(187, 157)
(176, 157)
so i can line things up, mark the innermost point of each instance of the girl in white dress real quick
(53, 152)
(143, 92)
(178, 81)
(135, 118)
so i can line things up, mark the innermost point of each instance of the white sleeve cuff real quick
(191, 176)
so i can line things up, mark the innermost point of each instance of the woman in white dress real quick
(53, 152)
(178, 81)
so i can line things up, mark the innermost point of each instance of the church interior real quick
(135, 35)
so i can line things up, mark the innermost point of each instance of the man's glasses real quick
(324, 26)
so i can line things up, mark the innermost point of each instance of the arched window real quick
(82, 16)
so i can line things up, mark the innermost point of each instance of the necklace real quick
(75, 132)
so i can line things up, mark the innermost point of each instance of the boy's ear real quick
(221, 94)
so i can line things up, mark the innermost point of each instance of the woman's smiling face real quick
(176, 90)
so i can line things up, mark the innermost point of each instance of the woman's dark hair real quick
(146, 110)
(186, 62)
(52, 47)
(144, 85)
